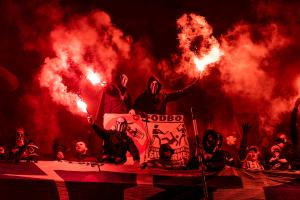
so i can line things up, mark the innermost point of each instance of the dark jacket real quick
(115, 99)
(218, 158)
(117, 144)
(157, 104)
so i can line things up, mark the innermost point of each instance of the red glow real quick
(93, 77)
(298, 86)
(78, 46)
(213, 56)
(199, 47)
(82, 105)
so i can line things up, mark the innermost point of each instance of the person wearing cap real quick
(116, 143)
(251, 161)
(277, 161)
(285, 148)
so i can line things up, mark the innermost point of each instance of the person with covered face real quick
(154, 101)
(115, 98)
(214, 158)
(117, 143)
(23, 148)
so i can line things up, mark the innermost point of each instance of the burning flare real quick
(198, 46)
(93, 77)
(87, 41)
(82, 105)
(213, 56)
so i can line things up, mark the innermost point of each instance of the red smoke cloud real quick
(250, 67)
(87, 43)
(243, 64)
(252, 72)
(198, 47)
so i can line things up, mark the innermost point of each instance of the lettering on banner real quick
(168, 129)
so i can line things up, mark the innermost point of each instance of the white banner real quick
(152, 131)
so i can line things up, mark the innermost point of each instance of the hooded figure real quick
(153, 101)
(115, 98)
(214, 158)
(117, 143)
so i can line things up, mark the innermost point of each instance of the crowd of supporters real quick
(282, 154)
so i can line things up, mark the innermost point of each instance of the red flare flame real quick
(199, 47)
(93, 77)
(78, 46)
(82, 105)
(213, 56)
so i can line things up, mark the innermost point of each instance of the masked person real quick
(214, 158)
(115, 98)
(117, 143)
(23, 148)
(153, 101)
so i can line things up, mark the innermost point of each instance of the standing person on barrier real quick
(153, 101)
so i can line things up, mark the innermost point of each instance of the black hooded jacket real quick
(115, 99)
(157, 104)
(117, 144)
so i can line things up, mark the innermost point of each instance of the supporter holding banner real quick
(152, 131)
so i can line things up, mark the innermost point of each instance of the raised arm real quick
(173, 96)
(243, 146)
(98, 130)
(246, 128)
